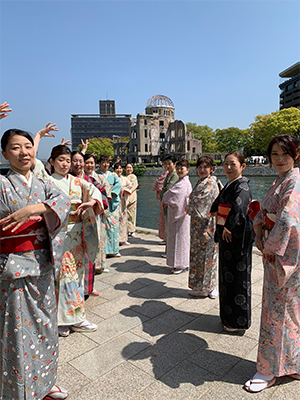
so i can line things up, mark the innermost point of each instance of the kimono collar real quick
(22, 177)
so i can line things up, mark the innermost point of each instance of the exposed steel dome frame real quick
(160, 101)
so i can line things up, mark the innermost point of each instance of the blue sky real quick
(219, 61)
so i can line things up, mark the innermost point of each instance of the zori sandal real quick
(57, 393)
(259, 383)
(295, 376)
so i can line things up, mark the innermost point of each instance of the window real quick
(146, 147)
(146, 133)
(134, 135)
(172, 134)
(145, 122)
(180, 132)
(188, 146)
(135, 148)
(180, 147)
(162, 135)
(194, 149)
(161, 123)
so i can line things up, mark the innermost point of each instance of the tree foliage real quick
(100, 146)
(205, 134)
(232, 139)
(265, 127)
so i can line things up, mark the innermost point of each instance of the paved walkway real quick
(154, 342)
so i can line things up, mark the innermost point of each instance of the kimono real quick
(70, 286)
(131, 206)
(235, 257)
(161, 220)
(112, 225)
(28, 323)
(169, 181)
(176, 198)
(203, 254)
(279, 342)
(123, 222)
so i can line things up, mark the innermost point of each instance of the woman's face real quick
(118, 171)
(169, 166)
(204, 171)
(89, 166)
(181, 171)
(233, 168)
(77, 164)
(61, 164)
(281, 160)
(129, 169)
(20, 154)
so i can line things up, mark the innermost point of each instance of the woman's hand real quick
(48, 128)
(66, 142)
(84, 146)
(85, 206)
(227, 235)
(269, 256)
(259, 243)
(19, 217)
(214, 214)
(4, 110)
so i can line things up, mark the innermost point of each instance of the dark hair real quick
(88, 156)
(117, 165)
(128, 164)
(206, 160)
(170, 157)
(103, 158)
(183, 163)
(12, 132)
(76, 152)
(58, 151)
(236, 154)
(288, 143)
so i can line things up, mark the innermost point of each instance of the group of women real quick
(53, 230)
(219, 220)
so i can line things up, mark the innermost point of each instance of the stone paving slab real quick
(155, 342)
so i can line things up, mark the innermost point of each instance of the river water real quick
(148, 206)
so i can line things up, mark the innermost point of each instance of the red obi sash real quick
(73, 219)
(32, 235)
(253, 208)
(268, 224)
(223, 211)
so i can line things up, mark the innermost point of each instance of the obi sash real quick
(32, 235)
(223, 211)
(253, 208)
(269, 222)
(74, 218)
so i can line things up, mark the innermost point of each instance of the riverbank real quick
(261, 170)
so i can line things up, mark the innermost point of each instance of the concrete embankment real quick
(263, 170)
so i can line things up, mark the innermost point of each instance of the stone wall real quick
(248, 171)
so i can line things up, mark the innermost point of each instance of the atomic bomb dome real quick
(160, 101)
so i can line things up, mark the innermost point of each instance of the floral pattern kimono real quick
(158, 186)
(176, 198)
(126, 185)
(203, 254)
(112, 224)
(131, 206)
(28, 322)
(279, 342)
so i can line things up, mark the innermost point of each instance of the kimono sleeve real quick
(238, 214)
(286, 232)
(215, 204)
(116, 186)
(202, 203)
(91, 192)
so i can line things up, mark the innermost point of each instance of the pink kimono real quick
(279, 343)
(176, 198)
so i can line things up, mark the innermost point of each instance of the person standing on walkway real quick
(131, 207)
(112, 226)
(33, 220)
(235, 236)
(277, 228)
(176, 199)
(161, 220)
(171, 178)
(203, 253)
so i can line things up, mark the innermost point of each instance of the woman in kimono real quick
(171, 178)
(131, 207)
(112, 225)
(101, 183)
(176, 199)
(235, 236)
(33, 218)
(86, 203)
(277, 228)
(158, 186)
(203, 252)
(126, 190)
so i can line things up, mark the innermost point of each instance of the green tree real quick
(205, 134)
(265, 127)
(232, 139)
(99, 146)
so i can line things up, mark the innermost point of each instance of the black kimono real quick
(235, 257)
